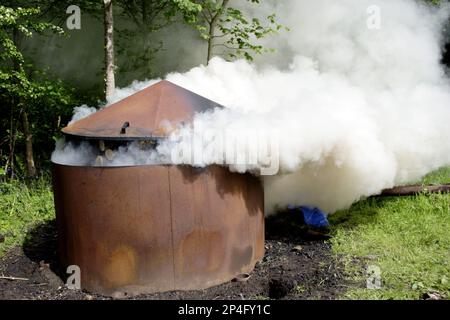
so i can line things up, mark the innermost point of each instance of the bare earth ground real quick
(294, 267)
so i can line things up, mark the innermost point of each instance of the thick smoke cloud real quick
(356, 110)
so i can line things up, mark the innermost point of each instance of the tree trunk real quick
(212, 29)
(145, 6)
(210, 43)
(12, 145)
(109, 48)
(31, 168)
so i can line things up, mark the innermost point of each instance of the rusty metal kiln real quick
(154, 228)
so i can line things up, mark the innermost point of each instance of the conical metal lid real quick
(143, 115)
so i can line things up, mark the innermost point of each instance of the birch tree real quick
(109, 48)
(226, 27)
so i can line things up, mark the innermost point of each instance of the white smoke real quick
(82, 112)
(357, 110)
(71, 154)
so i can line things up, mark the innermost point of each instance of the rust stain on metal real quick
(150, 113)
(120, 266)
(194, 259)
(134, 230)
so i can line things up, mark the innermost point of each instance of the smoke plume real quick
(355, 109)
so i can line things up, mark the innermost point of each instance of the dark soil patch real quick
(294, 267)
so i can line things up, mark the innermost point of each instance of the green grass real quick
(408, 238)
(21, 207)
(438, 177)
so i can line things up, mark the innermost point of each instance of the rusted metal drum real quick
(146, 229)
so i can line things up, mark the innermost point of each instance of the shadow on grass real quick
(41, 246)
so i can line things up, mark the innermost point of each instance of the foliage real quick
(12, 22)
(147, 17)
(54, 11)
(435, 2)
(407, 237)
(222, 25)
(23, 89)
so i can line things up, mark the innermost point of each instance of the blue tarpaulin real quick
(313, 216)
